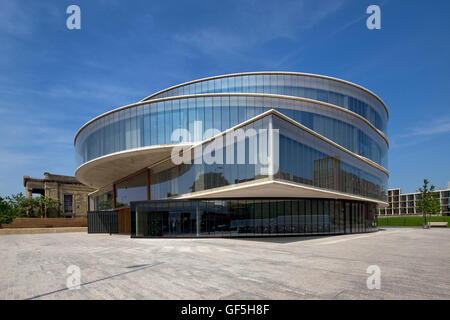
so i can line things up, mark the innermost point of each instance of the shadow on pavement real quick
(286, 239)
(140, 267)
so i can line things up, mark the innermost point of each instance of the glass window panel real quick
(288, 227)
(161, 121)
(184, 114)
(225, 102)
(252, 84)
(259, 83)
(208, 114)
(200, 115)
(217, 113)
(234, 111)
(132, 189)
(238, 84)
(191, 116)
(168, 121)
(147, 126)
(242, 109)
(218, 85)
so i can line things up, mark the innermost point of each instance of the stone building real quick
(72, 194)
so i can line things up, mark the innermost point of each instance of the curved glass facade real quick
(313, 87)
(303, 158)
(250, 217)
(152, 124)
(335, 151)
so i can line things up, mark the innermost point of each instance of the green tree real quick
(24, 207)
(106, 205)
(32, 207)
(6, 212)
(47, 204)
(18, 204)
(428, 203)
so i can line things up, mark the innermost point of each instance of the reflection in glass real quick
(248, 217)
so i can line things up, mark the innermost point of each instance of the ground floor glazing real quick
(250, 217)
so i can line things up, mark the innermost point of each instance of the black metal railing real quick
(103, 222)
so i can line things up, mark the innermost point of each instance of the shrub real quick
(7, 214)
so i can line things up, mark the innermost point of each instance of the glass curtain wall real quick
(228, 168)
(250, 217)
(152, 124)
(101, 201)
(131, 189)
(307, 159)
(303, 158)
(316, 88)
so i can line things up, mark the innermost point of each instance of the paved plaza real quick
(414, 264)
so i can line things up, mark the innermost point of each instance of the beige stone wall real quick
(57, 189)
(51, 190)
(79, 198)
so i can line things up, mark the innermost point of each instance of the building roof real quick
(50, 177)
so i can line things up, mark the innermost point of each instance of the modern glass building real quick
(263, 153)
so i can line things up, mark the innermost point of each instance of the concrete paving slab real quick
(413, 263)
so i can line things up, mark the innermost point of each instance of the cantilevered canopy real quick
(268, 188)
(108, 169)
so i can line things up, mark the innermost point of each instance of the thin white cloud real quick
(421, 132)
(33, 143)
(294, 53)
(256, 23)
(438, 127)
(104, 92)
(13, 159)
(28, 133)
(433, 127)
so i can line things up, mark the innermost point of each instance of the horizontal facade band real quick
(271, 73)
(111, 170)
(379, 132)
(123, 154)
(269, 188)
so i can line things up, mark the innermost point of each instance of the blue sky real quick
(53, 80)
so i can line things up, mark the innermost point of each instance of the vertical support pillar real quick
(149, 196)
(114, 196)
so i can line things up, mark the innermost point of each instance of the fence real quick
(103, 222)
(20, 223)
